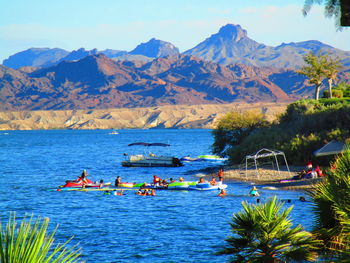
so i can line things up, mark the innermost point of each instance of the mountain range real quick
(155, 74)
(97, 81)
(230, 45)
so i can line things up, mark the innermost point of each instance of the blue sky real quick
(123, 24)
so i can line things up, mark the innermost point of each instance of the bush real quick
(233, 128)
(305, 126)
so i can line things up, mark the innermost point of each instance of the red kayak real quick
(76, 183)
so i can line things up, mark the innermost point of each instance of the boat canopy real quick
(149, 144)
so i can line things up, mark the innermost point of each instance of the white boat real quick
(114, 132)
(150, 160)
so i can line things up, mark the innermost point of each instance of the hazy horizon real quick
(122, 26)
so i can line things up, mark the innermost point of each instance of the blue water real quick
(170, 227)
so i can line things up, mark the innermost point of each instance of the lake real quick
(173, 226)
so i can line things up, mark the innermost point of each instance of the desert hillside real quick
(171, 116)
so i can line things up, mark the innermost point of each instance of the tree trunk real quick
(330, 82)
(317, 91)
(345, 13)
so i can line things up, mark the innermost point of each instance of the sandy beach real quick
(265, 177)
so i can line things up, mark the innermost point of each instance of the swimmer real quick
(254, 192)
(222, 193)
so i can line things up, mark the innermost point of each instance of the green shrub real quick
(305, 126)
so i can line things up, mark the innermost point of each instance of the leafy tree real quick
(332, 208)
(29, 242)
(233, 127)
(303, 128)
(264, 233)
(314, 70)
(331, 70)
(339, 9)
(336, 93)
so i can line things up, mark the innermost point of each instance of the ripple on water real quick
(170, 227)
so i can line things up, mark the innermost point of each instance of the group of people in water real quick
(157, 181)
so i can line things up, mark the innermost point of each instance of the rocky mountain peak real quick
(232, 32)
(155, 48)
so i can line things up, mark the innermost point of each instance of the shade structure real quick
(265, 153)
(333, 147)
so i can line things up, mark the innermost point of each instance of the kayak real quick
(79, 189)
(70, 184)
(171, 186)
(207, 187)
(129, 185)
(181, 184)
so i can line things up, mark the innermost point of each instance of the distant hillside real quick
(171, 116)
(232, 45)
(35, 57)
(99, 82)
(155, 48)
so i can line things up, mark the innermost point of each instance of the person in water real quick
(119, 193)
(201, 180)
(83, 178)
(222, 193)
(220, 176)
(254, 192)
(156, 180)
(118, 181)
(152, 193)
(181, 179)
(213, 181)
(101, 184)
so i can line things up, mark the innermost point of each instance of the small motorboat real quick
(114, 132)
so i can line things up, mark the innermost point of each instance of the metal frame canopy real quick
(264, 153)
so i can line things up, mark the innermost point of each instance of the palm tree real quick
(332, 208)
(314, 70)
(30, 243)
(331, 70)
(264, 233)
(340, 9)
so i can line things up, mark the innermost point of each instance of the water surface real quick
(170, 227)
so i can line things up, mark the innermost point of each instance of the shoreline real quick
(265, 177)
